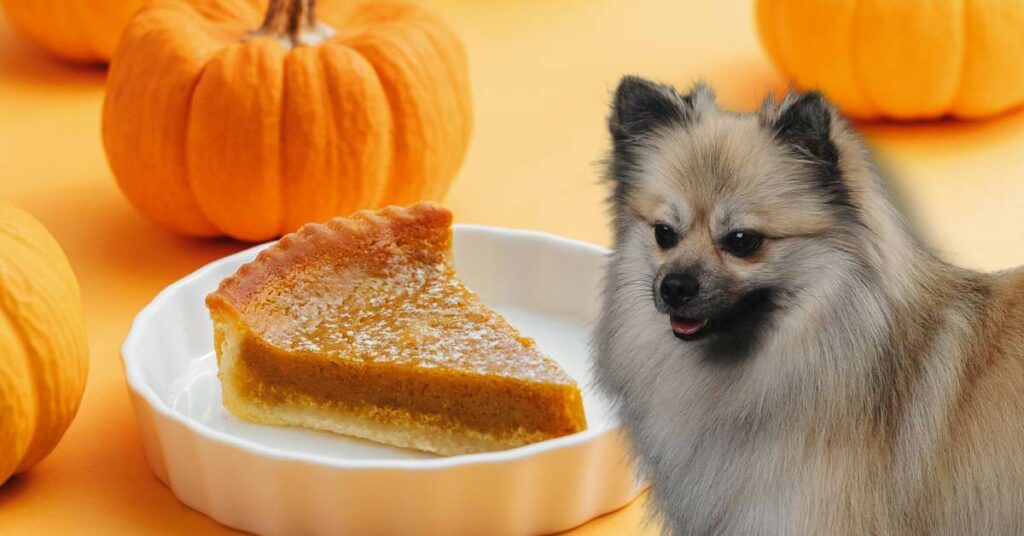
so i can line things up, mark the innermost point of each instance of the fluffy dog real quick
(785, 357)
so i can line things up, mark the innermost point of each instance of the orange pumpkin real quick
(905, 59)
(79, 30)
(218, 123)
(43, 352)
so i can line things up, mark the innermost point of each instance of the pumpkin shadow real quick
(15, 486)
(113, 249)
(25, 64)
(944, 135)
(151, 254)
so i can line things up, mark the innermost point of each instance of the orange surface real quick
(542, 73)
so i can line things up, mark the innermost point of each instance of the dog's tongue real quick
(687, 327)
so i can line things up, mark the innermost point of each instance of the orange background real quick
(542, 74)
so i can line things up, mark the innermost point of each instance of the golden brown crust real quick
(340, 236)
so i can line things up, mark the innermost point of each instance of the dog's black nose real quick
(677, 289)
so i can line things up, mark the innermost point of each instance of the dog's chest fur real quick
(735, 450)
(718, 474)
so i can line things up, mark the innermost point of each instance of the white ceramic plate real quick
(281, 480)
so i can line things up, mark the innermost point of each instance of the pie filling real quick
(497, 406)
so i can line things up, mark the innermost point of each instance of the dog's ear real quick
(642, 106)
(805, 123)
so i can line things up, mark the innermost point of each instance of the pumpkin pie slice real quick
(360, 326)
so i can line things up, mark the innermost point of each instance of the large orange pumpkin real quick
(43, 352)
(221, 121)
(905, 59)
(78, 30)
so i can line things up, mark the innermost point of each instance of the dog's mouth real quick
(687, 328)
(747, 315)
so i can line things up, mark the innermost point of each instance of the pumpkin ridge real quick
(41, 315)
(111, 137)
(41, 444)
(282, 140)
(37, 449)
(958, 82)
(189, 175)
(394, 132)
(398, 144)
(52, 274)
(329, 110)
(396, 70)
(223, 211)
(420, 191)
(278, 181)
(766, 25)
(858, 78)
(348, 189)
(82, 21)
(456, 159)
(953, 104)
(34, 412)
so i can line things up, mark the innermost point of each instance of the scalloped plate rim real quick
(144, 390)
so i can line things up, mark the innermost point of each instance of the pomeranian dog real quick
(784, 356)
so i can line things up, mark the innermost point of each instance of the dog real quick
(785, 358)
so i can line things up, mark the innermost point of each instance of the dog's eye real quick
(665, 236)
(742, 243)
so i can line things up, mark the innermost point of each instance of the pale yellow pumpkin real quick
(84, 31)
(43, 351)
(906, 59)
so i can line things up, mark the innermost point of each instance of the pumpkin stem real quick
(293, 23)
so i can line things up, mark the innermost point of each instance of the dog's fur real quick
(870, 389)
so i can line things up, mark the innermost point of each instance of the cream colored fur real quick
(885, 394)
